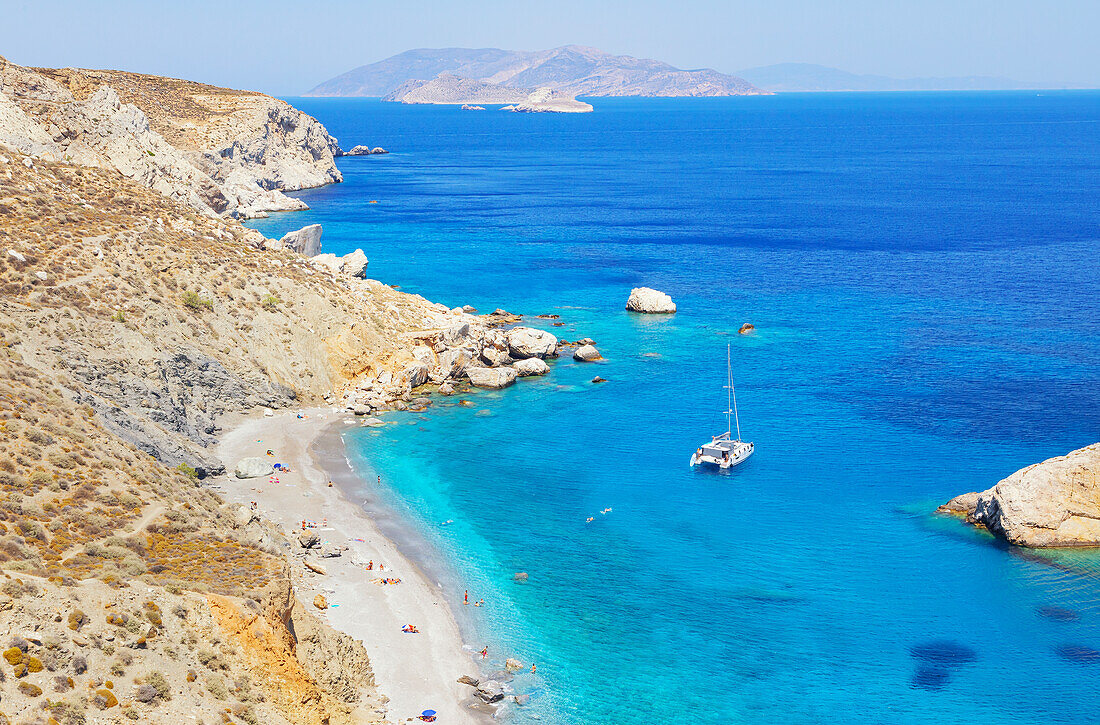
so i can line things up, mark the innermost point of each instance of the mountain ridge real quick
(573, 69)
(800, 77)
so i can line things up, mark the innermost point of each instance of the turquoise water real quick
(922, 273)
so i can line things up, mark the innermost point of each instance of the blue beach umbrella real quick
(428, 713)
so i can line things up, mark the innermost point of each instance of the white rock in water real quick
(1053, 503)
(531, 366)
(306, 241)
(646, 299)
(252, 468)
(524, 342)
(494, 378)
(587, 353)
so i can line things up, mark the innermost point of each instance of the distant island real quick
(571, 70)
(810, 77)
(448, 89)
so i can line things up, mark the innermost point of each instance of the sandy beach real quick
(415, 671)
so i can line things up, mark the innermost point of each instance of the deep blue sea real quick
(923, 271)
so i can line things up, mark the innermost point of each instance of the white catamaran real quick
(723, 451)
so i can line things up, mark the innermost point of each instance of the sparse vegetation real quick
(270, 302)
(192, 301)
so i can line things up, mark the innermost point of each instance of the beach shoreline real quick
(414, 671)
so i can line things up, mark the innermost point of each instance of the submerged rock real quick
(650, 301)
(1079, 653)
(252, 468)
(1053, 503)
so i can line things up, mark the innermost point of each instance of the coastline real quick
(414, 672)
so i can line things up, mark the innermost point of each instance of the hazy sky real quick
(287, 47)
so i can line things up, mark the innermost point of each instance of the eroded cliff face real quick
(1049, 504)
(219, 151)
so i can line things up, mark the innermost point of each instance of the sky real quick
(286, 48)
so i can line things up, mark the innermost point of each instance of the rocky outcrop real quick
(19, 133)
(361, 150)
(546, 100)
(305, 241)
(493, 378)
(449, 89)
(650, 301)
(524, 342)
(1053, 503)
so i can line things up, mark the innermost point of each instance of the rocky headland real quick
(137, 316)
(449, 89)
(1055, 503)
(218, 151)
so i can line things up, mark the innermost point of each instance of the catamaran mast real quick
(731, 396)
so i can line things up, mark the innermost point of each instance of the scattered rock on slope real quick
(305, 241)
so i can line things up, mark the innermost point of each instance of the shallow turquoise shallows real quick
(923, 271)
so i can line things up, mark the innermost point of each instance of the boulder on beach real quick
(531, 366)
(493, 378)
(650, 301)
(252, 468)
(526, 342)
(305, 241)
(468, 680)
(309, 539)
(587, 353)
(320, 602)
(1053, 503)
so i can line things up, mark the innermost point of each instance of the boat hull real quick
(736, 459)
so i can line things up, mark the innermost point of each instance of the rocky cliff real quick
(572, 69)
(225, 152)
(1053, 503)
